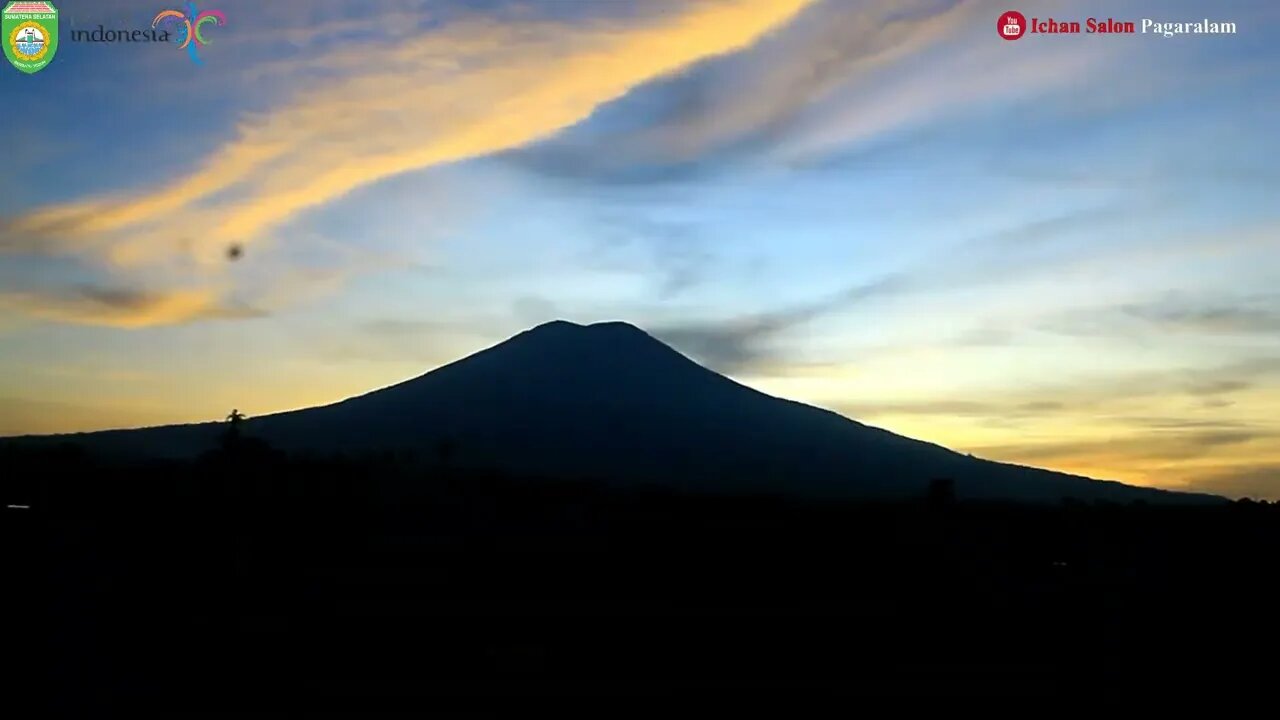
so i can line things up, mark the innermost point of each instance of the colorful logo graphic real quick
(188, 27)
(1011, 25)
(30, 31)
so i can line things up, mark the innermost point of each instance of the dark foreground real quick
(249, 582)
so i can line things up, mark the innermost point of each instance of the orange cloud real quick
(473, 88)
(123, 308)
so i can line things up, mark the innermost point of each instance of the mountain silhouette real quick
(609, 402)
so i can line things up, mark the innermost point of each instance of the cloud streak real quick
(124, 308)
(1219, 315)
(1213, 317)
(748, 102)
(472, 88)
(737, 344)
(740, 344)
(1255, 481)
(1154, 446)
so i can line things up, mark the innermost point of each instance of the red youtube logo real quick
(1011, 25)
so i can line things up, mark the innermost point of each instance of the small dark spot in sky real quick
(234, 251)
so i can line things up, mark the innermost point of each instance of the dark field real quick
(254, 582)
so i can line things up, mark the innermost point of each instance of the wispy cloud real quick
(951, 408)
(414, 344)
(1175, 428)
(681, 126)
(124, 307)
(1255, 481)
(834, 45)
(1259, 315)
(1169, 446)
(1222, 314)
(1012, 254)
(471, 88)
(674, 251)
(904, 96)
(742, 343)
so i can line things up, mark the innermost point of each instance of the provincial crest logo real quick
(30, 33)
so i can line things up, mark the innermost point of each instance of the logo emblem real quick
(30, 33)
(188, 27)
(1011, 25)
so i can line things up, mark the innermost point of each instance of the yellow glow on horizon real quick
(1158, 439)
(1090, 441)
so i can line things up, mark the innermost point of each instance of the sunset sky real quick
(1061, 251)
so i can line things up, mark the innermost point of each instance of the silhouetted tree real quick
(231, 438)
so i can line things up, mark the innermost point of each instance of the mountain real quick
(607, 401)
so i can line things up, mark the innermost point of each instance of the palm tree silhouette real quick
(232, 436)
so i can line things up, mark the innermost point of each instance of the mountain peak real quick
(565, 326)
(562, 351)
(610, 332)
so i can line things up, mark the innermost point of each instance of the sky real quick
(1061, 251)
